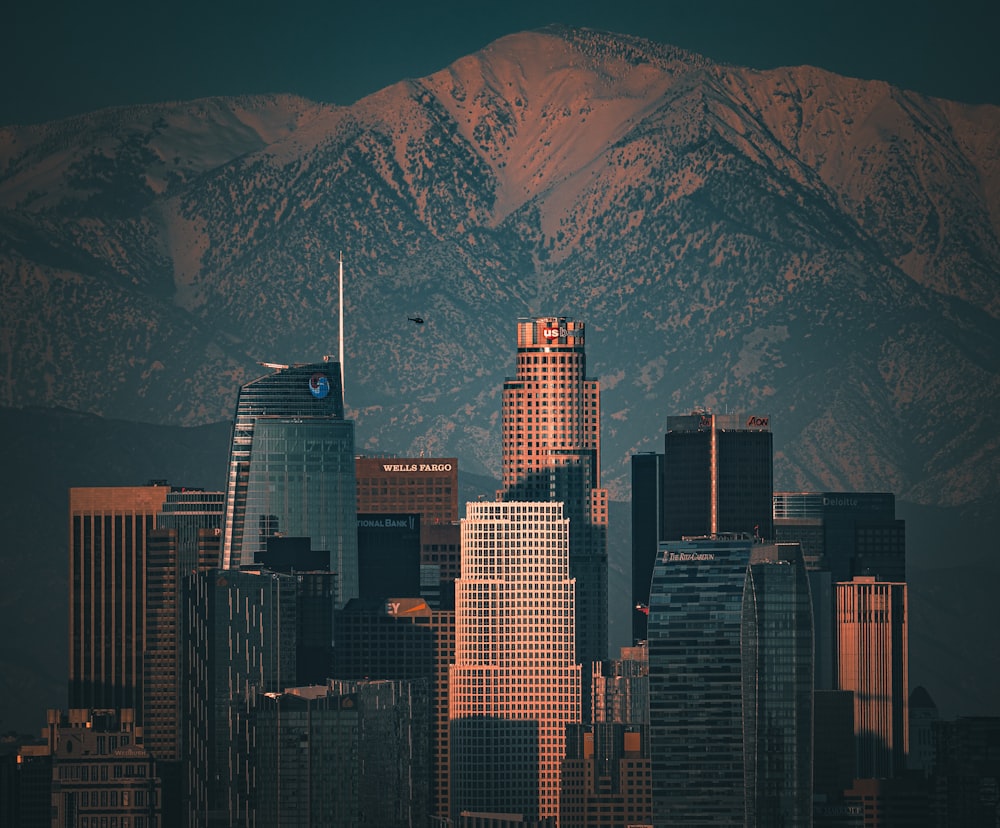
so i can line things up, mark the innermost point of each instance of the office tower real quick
(427, 486)
(240, 642)
(101, 773)
(835, 758)
(108, 530)
(187, 539)
(647, 500)
(552, 452)
(717, 476)
(515, 683)
(291, 470)
(847, 533)
(388, 555)
(967, 771)
(403, 639)
(872, 662)
(343, 755)
(605, 776)
(695, 682)
(777, 654)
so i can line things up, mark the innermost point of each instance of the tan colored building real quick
(551, 447)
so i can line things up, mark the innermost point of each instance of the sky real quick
(63, 58)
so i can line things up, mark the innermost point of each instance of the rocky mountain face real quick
(818, 248)
(821, 249)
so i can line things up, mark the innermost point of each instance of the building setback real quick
(515, 683)
(551, 443)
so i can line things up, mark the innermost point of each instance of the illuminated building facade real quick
(552, 452)
(696, 682)
(873, 663)
(291, 470)
(777, 653)
(717, 476)
(515, 681)
(109, 527)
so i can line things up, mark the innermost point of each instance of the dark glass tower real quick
(647, 499)
(717, 476)
(695, 682)
(291, 470)
(777, 645)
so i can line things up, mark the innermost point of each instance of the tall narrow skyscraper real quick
(717, 476)
(515, 683)
(291, 470)
(108, 531)
(777, 654)
(872, 662)
(552, 452)
(695, 682)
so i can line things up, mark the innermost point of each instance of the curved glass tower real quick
(291, 470)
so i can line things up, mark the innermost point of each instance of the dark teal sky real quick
(61, 58)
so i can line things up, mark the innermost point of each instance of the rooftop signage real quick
(395, 468)
(319, 385)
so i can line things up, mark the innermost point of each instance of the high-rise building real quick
(551, 443)
(696, 682)
(291, 470)
(240, 642)
(846, 533)
(427, 486)
(388, 555)
(515, 682)
(187, 539)
(777, 654)
(872, 662)
(717, 476)
(108, 531)
(606, 778)
(647, 501)
(345, 755)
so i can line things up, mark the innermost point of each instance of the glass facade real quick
(695, 682)
(777, 643)
(291, 470)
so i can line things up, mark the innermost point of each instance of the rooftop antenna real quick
(342, 324)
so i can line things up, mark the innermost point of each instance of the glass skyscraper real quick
(695, 682)
(777, 645)
(291, 470)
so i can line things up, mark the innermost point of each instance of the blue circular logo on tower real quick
(319, 385)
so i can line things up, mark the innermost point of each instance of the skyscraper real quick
(777, 654)
(186, 539)
(291, 470)
(647, 501)
(515, 683)
(717, 476)
(552, 452)
(695, 682)
(108, 531)
(872, 662)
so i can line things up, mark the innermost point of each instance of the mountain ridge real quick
(730, 236)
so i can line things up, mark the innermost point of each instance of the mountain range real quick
(820, 249)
